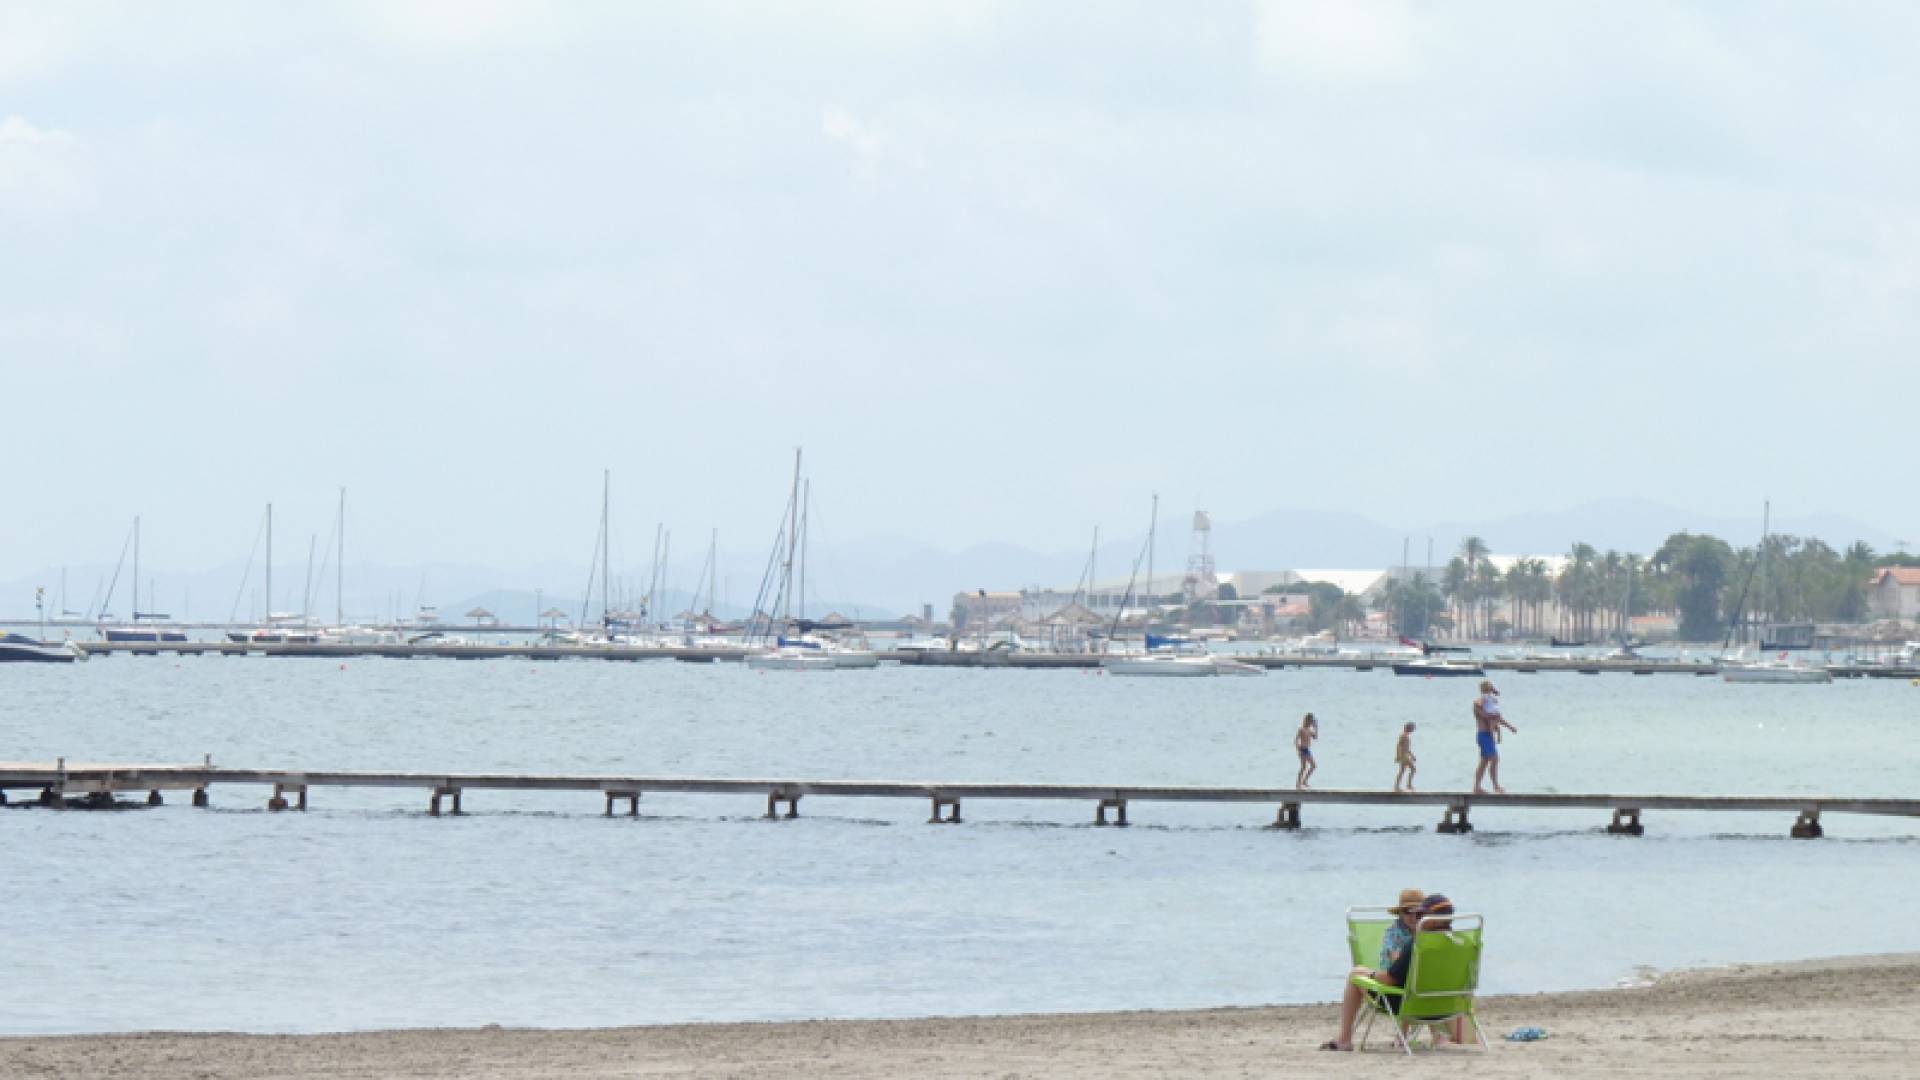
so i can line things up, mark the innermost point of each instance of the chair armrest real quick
(1373, 985)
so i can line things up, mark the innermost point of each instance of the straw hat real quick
(1410, 900)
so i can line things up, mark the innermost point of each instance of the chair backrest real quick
(1446, 967)
(1366, 927)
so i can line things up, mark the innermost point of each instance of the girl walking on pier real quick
(1403, 757)
(1303, 745)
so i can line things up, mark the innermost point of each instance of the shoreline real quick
(1837, 1017)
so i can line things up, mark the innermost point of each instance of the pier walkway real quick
(66, 785)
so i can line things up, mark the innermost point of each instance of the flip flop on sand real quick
(1331, 1045)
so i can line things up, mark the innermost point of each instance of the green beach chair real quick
(1441, 982)
(1366, 927)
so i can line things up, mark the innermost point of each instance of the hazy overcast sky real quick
(1003, 269)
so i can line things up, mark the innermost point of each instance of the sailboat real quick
(804, 651)
(279, 628)
(1165, 656)
(145, 625)
(1739, 667)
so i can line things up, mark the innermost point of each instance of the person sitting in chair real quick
(1396, 957)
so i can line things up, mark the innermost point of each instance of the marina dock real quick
(63, 785)
(990, 658)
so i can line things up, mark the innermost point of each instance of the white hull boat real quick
(1774, 673)
(20, 649)
(1170, 666)
(791, 660)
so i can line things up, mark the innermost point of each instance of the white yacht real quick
(1779, 670)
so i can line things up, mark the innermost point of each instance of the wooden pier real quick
(64, 785)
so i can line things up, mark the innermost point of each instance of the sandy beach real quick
(1828, 1018)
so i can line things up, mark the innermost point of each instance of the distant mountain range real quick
(884, 576)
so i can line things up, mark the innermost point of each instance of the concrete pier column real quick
(1119, 808)
(3, 796)
(278, 801)
(200, 798)
(1626, 822)
(951, 806)
(633, 802)
(1288, 817)
(1454, 820)
(1808, 826)
(154, 798)
(775, 798)
(433, 804)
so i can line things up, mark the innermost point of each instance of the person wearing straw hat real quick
(1487, 724)
(1396, 957)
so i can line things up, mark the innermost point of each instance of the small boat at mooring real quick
(1438, 668)
(20, 649)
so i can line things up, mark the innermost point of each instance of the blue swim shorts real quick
(1488, 748)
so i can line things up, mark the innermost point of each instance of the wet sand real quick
(1829, 1018)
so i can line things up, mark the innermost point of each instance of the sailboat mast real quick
(806, 505)
(136, 568)
(340, 571)
(606, 541)
(793, 539)
(1153, 523)
(713, 568)
(268, 610)
(1093, 556)
(306, 594)
(666, 556)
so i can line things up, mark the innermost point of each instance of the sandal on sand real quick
(1331, 1045)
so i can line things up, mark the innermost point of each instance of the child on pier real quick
(1303, 744)
(1403, 757)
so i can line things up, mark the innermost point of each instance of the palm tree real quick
(1486, 588)
(1458, 585)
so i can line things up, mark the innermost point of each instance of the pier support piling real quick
(951, 806)
(154, 798)
(633, 802)
(1119, 808)
(1626, 823)
(1808, 826)
(1454, 820)
(50, 797)
(279, 800)
(775, 798)
(1288, 817)
(433, 807)
(200, 798)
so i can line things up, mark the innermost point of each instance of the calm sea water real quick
(535, 910)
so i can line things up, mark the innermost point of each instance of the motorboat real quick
(274, 635)
(1164, 664)
(143, 633)
(20, 649)
(1438, 668)
(1779, 670)
(1320, 644)
(791, 658)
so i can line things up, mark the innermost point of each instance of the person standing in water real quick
(1487, 724)
(1303, 745)
(1403, 757)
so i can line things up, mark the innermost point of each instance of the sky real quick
(1003, 270)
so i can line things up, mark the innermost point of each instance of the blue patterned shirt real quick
(1397, 940)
